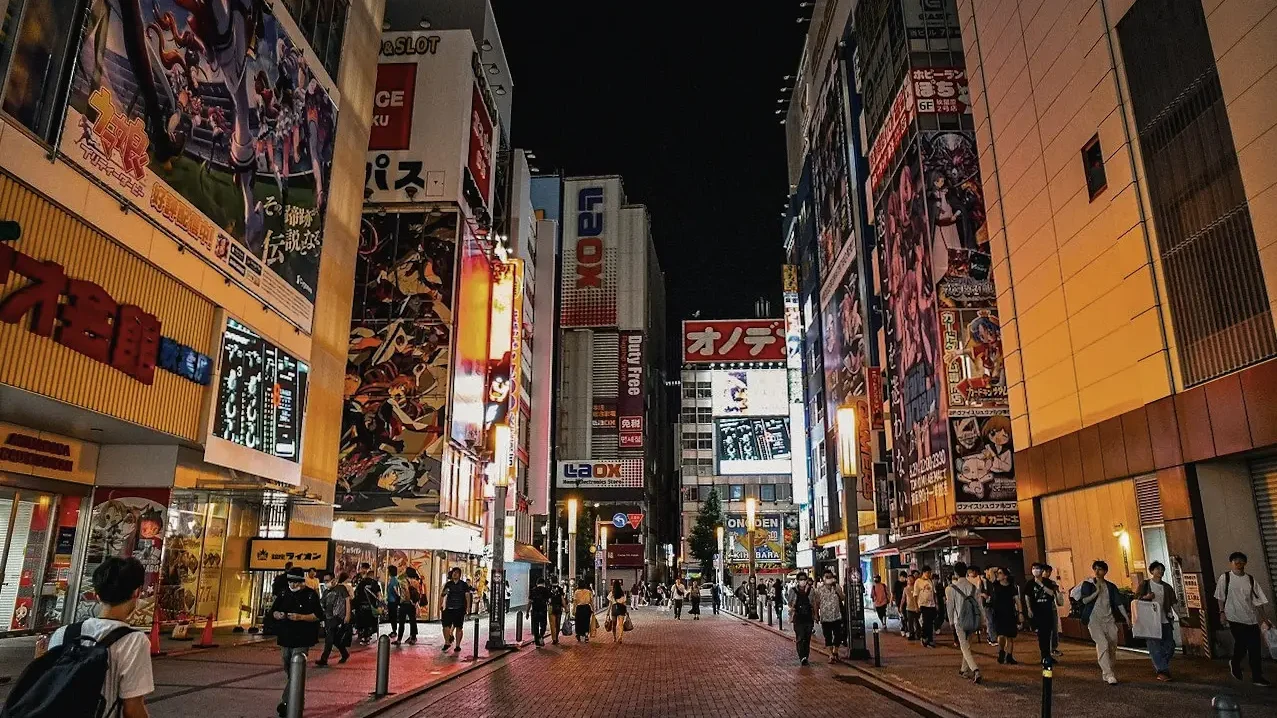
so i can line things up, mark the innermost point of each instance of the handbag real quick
(1270, 637)
(567, 627)
(629, 626)
(1146, 619)
(609, 624)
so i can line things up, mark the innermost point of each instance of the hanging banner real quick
(218, 128)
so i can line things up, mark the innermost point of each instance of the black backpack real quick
(68, 680)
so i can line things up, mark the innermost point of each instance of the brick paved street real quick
(713, 667)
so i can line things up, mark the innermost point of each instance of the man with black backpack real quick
(297, 615)
(99, 667)
(1241, 611)
(803, 615)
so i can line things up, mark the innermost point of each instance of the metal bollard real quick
(780, 611)
(296, 685)
(476, 637)
(518, 627)
(769, 612)
(1046, 687)
(383, 668)
(877, 648)
(1226, 707)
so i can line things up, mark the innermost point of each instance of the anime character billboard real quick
(844, 341)
(975, 376)
(397, 369)
(125, 522)
(957, 235)
(209, 117)
(984, 464)
(913, 346)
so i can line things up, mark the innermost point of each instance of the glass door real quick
(25, 521)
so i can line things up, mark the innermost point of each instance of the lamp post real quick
(753, 580)
(849, 467)
(718, 565)
(499, 472)
(572, 507)
(603, 547)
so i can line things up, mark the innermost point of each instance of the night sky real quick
(683, 109)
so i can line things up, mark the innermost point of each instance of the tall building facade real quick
(611, 424)
(1126, 152)
(176, 258)
(738, 439)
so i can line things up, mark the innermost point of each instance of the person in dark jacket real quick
(297, 614)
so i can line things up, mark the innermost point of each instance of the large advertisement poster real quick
(957, 237)
(591, 252)
(770, 550)
(984, 464)
(125, 522)
(397, 368)
(753, 446)
(213, 121)
(474, 294)
(919, 432)
(844, 340)
(749, 392)
(830, 175)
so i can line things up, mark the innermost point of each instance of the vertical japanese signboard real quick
(224, 137)
(631, 400)
(591, 255)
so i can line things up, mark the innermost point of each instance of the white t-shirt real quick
(129, 674)
(1158, 589)
(1244, 595)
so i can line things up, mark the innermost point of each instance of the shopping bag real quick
(567, 627)
(594, 624)
(1270, 637)
(1146, 619)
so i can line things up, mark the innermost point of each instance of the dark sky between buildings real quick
(679, 98)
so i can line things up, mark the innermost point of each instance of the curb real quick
(392, 701)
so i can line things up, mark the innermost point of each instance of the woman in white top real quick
(617, 613)
(678, 592)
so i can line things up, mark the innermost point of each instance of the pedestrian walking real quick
(336, 603)
(1161, 649)
(367, 603)
(297, 615)
(881, 598)
(558, 603)
(1102, 610)
(898, 598)
(694, 593)
(828, 600)
(987, 579)
(802, 615)
(678, 593)
(716, 596)
(1048, 573)
(456, 599)
(1006, 614)
(912, 630)
(963, 599)
(1040, 606)
(618, 612)
(395, 602)
(481, 594)
(583, 601)
(924, 591)
(778, 597)
(539, 597)
(99, 666)
(1241, 603)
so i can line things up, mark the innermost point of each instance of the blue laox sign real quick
(607, 474)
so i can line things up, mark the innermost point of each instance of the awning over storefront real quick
(528, 554)
(991, 539)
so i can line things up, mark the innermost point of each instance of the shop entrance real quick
(34, 568)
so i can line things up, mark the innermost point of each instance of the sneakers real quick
(457, 649)
(445, 648)
(1002, 656)
(282, 710)
(1261, 682)
(412, 640)
(976, 678)
(1235, 670)
(1011, 660)
(343, 659)
(964, 672)
(803, 661)
(1163, 677)
(1111, 681)
(320, 664)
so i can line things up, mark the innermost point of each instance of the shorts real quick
(453, 617)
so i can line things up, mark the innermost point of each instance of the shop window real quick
(767, 492)
(34, 59)
(1093, 166)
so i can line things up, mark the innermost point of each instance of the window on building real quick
(689, 417)
(704, 415)
(703, 491)
(689, 392)
(689, 469)
(323, 24)
(1093, 167)
(689, 443)
(784, 492)
(704, 392)
(767, 492)
(1215, 288)
(705, 440)
(737, 492)
(34, 59)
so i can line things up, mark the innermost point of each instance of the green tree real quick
(704, 539)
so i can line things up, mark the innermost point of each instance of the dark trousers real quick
(882, 616)
(927, 624)
(802, 638)
(1045, 626)
(402, 615)
(334, 635)
(678, 608)
(1246, 644)
(909, 624)
(538, 623)
(717, 603)
(833, 632)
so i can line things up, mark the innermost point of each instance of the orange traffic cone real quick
(206, 640)
(155, 633)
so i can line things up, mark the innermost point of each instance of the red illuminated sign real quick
(480, 162)
(734, 340)
(392, 103)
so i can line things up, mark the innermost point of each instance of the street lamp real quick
(603, 548)
(753, 580)
(849, 467)
(499, 473)
(572, 507)
(721, 557)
